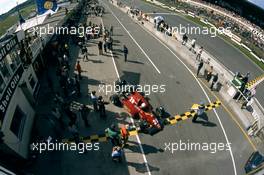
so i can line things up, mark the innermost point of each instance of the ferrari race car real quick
(138, 107)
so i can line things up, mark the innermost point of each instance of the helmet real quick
(143, 105)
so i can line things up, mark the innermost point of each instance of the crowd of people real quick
(70, 85)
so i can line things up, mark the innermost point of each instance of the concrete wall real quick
(21, 147)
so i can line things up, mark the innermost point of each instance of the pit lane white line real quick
(219, 120)
(134, 40)
(132, 120)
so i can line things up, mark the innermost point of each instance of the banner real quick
(45, 5)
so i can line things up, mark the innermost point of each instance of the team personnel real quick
(101, 106)
(113, 135)
(125, 50)
(215, 79)
(199, 112)
(79, 69)
(124, 135)
(200, 66)
(94, 101)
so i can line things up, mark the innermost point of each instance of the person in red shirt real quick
(124, 135)
(79, 69)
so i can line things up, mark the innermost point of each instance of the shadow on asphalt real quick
(136, 62)
(148, 149)
(141, 167)
(205, 121)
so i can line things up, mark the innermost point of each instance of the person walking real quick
(79, 69)
(199, 54)
(215, 79)
(100, 47)
(111, 30)
(101, 106)
(110, 43)
(94, 101)
(105, 47)
(184, 39)
(200, 65)
(85, 53)
(125, 50)
(192, 45)
(84, 111)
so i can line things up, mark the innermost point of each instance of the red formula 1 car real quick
(139, 107)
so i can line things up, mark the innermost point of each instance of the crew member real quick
(116, 154)
(199, 112)
(101, 105)
(124, 134)
(113, 135)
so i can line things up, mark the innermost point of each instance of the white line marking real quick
(132, 120)
(134, 40)
(219, 120)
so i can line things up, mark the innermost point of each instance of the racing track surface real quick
(181, 92)
(231, 57)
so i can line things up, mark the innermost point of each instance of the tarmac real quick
(100, 70)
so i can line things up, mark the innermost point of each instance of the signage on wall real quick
(9, 91)
(7, 47)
